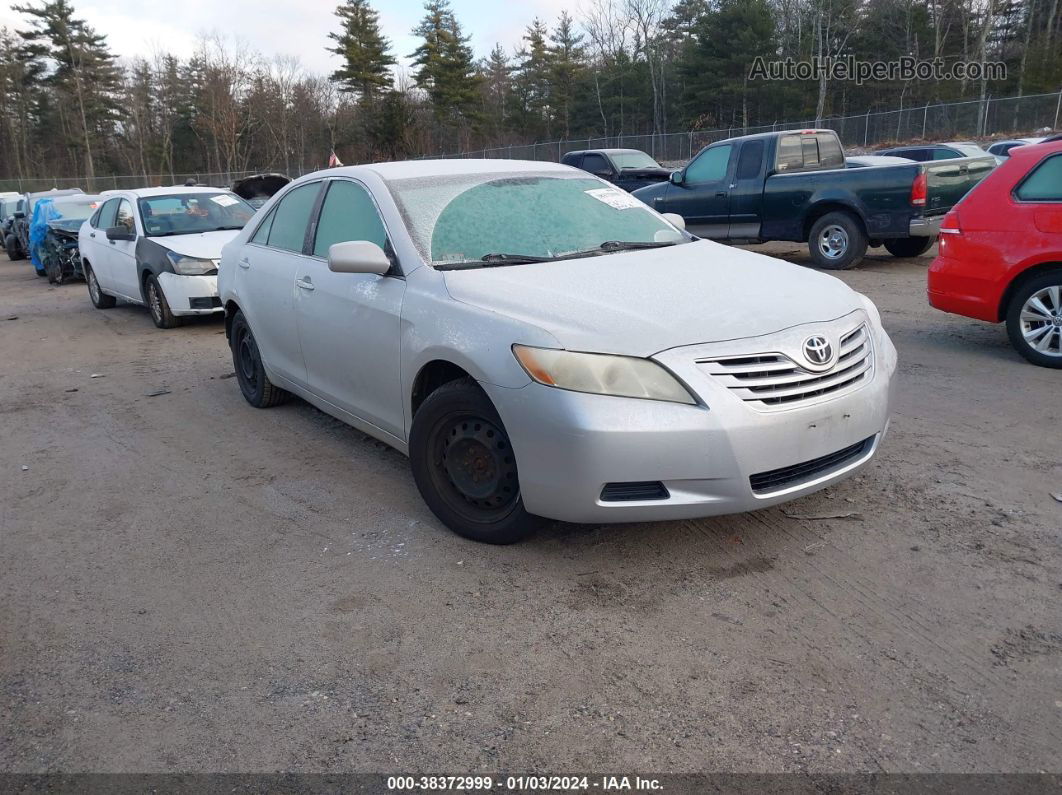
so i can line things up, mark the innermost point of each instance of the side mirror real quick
(675, 220)
(603, 174)
(358, 256)
(676, 177)
(120, 233)
(19, 214)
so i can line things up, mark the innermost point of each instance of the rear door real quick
(703, 198)
(350, 323)
(265, 280)
(746, 193)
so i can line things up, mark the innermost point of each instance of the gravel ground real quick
(190, 584)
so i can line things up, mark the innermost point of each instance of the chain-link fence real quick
(218, 179)
(938, 122)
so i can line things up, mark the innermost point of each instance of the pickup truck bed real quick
(794, 186)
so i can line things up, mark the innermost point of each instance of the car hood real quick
(205, 245)
(642, 302)
(650, 172)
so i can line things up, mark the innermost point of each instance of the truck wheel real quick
(14, 252)
(464, 466)
(1034, 320)
(909, 246)
(158, 305)
(837, 241)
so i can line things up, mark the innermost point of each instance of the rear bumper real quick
(191, 295)
(925, 227)
(951, 287)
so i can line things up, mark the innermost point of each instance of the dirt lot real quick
(188, 583)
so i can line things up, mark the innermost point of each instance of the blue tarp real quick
(43, 212)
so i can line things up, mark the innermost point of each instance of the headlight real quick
(601, 374)
(191, 266)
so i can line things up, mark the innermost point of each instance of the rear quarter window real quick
(790, 156)
(1043, 183)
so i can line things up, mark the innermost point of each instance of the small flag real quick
(333, 161)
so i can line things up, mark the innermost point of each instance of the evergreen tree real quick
(85, 70)
(445, 66)
(496, 72)
(532, 76)
(366, 70)
(567, 63)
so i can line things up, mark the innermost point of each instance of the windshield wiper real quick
(623, 245)
(493, 261)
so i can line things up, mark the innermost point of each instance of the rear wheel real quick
(157, 304)
(909, 246)
(257, 389)
(837, 241)
(14, 251)
(465, 468)
(99, 299)
(1034, 320)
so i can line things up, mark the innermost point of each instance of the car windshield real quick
(523, 214)
(76, 209)
(634, 160)
(193, 213)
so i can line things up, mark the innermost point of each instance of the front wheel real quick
(158, 305)
(1034, 320)
(837, 241)
(909, 246)
(465, 468)
(14, 252)
(255, 385)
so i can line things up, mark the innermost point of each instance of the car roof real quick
(1035, 151)
(411, 169)
(173, 190)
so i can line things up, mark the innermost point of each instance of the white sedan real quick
(160, 247)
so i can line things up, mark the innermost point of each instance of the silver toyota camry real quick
(544, 346)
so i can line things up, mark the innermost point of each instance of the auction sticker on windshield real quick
(614, 197)
(223, 200)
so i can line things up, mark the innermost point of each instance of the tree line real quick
(69, 106)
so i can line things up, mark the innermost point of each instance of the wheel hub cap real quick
(1041, 320)
(833, 242)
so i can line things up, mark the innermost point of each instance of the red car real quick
(1001, 253)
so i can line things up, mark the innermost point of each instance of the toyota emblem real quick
(818, 350)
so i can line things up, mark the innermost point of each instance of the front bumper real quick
(925, 227)
(191, 295)
(569, 445)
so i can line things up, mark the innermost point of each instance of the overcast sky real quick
(291, 27)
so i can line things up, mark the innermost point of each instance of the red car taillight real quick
(919, 190)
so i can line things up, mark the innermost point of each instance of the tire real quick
(837, 241)
(99, 299)
(255, 385)
(11, 246)
(464, 466)
(1034, 320)
(54, 272)
(158, 306)
(909, 246)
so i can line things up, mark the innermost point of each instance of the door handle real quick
(721, 193)
(244, 263)
(92, 234)
(304, 284)
(733, 185)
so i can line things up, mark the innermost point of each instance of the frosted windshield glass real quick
(465, 218)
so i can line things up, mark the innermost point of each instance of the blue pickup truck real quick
(793, 185)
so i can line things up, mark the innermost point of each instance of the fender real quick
(150, 258)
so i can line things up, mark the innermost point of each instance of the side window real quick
(790, 157)
(571, 159)
(749, 161)
(125, 216)
(261, 234)
(292, 216)
(348, 213)
(596, 164)
(105, 216)
(830, 153)
(1044, 183)
(710, 165)
(945, 154)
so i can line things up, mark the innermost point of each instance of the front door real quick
(703, 198)
(350, 323)
(121, 259)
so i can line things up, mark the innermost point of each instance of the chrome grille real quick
(774, 380)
